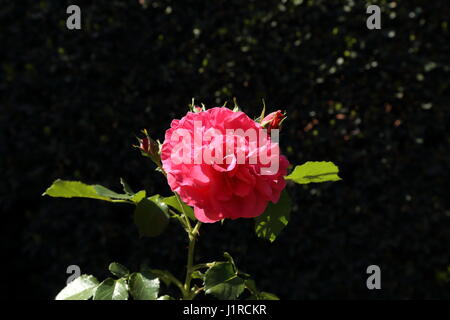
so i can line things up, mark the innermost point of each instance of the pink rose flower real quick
(223, 164)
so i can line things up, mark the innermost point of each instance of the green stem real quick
(185, 217)
(187, 284)
(201, 266)
(196, 292)
(189, 293)
(122, 201)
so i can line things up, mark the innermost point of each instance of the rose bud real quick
(197, 109)
(273, 120)
(149, 148)
(144, 145)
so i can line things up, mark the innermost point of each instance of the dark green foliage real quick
(376, 103)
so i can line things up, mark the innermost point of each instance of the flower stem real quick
(202, 266)
(186, 290)
(187, 223)
(189, 293)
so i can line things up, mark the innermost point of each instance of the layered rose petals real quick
(220, 181)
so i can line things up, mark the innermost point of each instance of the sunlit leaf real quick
(144, 286)
(173, 202)
(314, 171)
(76, 189)
(222, 281)
(82, 288)
(118, 270)
(274, 219)
(111, 289)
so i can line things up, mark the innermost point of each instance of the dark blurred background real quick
(375, 102)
